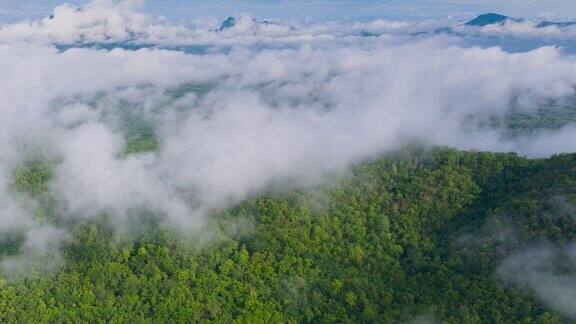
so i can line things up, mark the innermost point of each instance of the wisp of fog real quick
(129, 114)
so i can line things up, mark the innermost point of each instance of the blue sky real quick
(181, 10)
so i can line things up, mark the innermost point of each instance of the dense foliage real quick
(416, 234)
(524, 122)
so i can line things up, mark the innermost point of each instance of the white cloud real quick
(526, 29)
(98, 21)
(314, 103)
(540, 270)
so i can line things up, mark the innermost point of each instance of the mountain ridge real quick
(232, 22)
(491, 18)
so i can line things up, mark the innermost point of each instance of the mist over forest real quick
(258, 169)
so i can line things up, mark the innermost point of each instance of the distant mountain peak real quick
(489, 19)
(497, 19)
(545, 23)
(233, 21)
(228, 23)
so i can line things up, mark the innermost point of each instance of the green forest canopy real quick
(415, 234)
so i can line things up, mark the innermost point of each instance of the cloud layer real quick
(261, 106)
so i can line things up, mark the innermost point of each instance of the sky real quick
(317, 10)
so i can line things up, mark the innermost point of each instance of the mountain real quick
(422, 234)
(227, 24)
(365, 33)
(490, 19)
(545, 23)
(233, 21)
(497, 19)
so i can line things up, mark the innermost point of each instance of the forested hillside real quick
(422, 234)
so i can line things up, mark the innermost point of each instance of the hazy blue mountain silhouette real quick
(497, 19)
(490, 19)
(232, 21)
